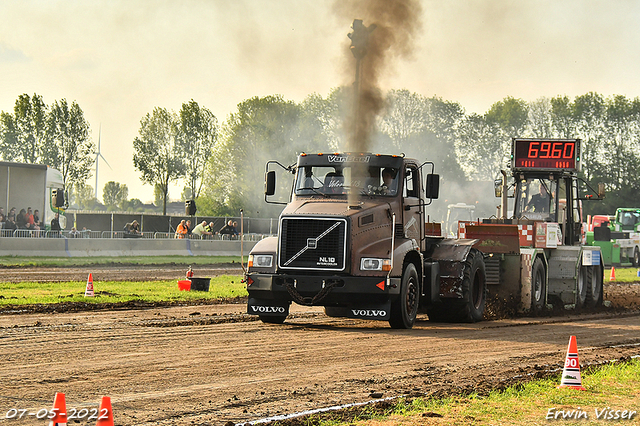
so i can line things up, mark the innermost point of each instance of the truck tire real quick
(268, 319)
(474, 295)
(405, 308)
(594, 287)
(636, 256)
(582, 285)
(538, 286)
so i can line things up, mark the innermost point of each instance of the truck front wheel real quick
(405, 309)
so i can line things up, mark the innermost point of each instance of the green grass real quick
(16, 261)
(616, 386)
(623, 275)
(25, 293)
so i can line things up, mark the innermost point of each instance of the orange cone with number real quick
(571, 373)
(59, 410)
(89, 290)
(105, 413)
(613, 274)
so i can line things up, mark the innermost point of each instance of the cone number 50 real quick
(571, 363)
(72, 413)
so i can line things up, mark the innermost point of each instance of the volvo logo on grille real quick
(312, 243)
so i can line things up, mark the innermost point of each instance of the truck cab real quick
(618, 238)
(353, 238)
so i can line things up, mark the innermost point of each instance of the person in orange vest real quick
(181, 230)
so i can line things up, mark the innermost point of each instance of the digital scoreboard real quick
(545, 154)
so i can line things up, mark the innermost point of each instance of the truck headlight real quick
(260, 261)
(374, 264)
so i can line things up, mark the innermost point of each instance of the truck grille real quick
(312, 243)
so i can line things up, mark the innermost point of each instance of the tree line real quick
(223, 166)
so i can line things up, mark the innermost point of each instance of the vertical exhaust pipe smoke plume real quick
(384, 34)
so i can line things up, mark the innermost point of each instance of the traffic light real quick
(190, 207)
(57, 197)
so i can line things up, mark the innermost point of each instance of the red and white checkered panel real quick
(462, 230)
(526, 235)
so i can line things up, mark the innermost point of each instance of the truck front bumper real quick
(322, 290)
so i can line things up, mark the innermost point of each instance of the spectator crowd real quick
(205, 230)
(25, 219)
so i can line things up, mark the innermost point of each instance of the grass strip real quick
(28, 293)
(612, 396)
(623, 275)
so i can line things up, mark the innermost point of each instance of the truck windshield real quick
(343, 179)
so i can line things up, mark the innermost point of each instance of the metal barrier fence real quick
(26, 233)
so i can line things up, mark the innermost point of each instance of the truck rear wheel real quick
(538, 286)
(594, 286)
(405, 308)
(474, 295)
(268, 319)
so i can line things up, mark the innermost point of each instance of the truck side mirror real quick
(57, 197)
(190, 207)
(270, 183)
(601, 190)
(433, 186)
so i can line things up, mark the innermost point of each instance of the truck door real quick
(413, 213)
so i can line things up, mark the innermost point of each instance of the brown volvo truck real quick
(354, 238)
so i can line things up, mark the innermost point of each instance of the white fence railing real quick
(25, 233)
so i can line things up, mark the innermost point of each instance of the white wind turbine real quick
(98, 156)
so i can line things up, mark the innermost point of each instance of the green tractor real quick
(618, 238)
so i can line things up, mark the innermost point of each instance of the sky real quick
(119, 59)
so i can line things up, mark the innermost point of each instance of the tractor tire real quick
(470, 308)
(268, 319)
(538, 286)
(405, 308)
(582, 286)
(594, 287)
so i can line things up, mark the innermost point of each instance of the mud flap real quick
(267, 307)
(381, 312)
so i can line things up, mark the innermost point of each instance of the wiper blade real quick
(314, 190)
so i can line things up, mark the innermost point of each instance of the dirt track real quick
(208, 365)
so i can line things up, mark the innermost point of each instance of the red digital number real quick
(533, 150)
(545, 149)
(568, 150)
(556, 151)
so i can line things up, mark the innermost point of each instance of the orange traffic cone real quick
(105, 413)
(571, 373)
(613, 274)
(60, 410)
(89, 290)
